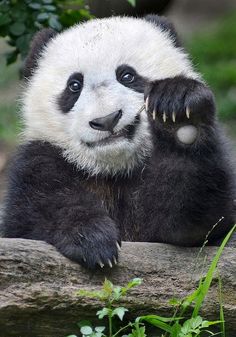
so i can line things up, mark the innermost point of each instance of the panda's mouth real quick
(127, 132)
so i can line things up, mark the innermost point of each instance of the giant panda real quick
(120, 143)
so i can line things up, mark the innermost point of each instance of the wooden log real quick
(38, 285)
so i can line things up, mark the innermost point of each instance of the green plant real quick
(20, 19)
(214, 52)
(174, 326)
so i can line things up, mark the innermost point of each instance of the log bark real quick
(38, 285)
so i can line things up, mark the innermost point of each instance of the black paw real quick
(94, 248)
(179, 100)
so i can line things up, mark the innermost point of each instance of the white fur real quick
(187, 134)
(96, 48)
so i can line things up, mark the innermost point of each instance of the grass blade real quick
(205, 285)
(222, 317)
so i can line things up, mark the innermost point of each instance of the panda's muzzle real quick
(127, 132)
(106, 123)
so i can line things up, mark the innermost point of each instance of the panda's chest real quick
(116, 197)
(107, 193)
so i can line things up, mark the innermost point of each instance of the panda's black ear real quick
(165, 25)
(38, 43)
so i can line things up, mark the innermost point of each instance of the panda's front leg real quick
(48, 200)
(179, 107)
(189, 180)
(91, 240)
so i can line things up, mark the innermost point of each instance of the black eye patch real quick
(71, 93)
(128, 77)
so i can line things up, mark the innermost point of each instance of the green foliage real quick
(19, 20)
(132, 2)
(214, 53)
(175, 326)
(9, 123)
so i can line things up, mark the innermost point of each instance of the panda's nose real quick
(106, 123)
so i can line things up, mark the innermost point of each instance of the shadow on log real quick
(38, 285)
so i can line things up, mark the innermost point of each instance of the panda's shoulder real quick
(39, 161)
(35, 151)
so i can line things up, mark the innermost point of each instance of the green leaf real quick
(91, 294)
(186, 327)
(84, 323)
(4, 19)
(132, 2)
(117, 293)
(47, 2)
(102, 313)
(189, 299)
(222, 318)
(42, 17)
(156, 322)
(35, 5)
(4, 7)
(149, 318)
(119, 312)
(213, 322)
(175, 302)
(38, 25)
(49, 8)
(11, 57)
(205, 285)
(100, 328)
(107, 287)
(22, 43)
(54, 23)
(176, 330)
(138, 332)
(205, 324)
(17, 29)
(135, 282)
(86, 330)
(196, 322)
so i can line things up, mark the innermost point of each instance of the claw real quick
(188, 112)
(115, 260)
(100, 264)
(109, 263)
(146, 104)
(118, 246)
(173, 116)
(154, 114)
(164, 117)
(141, 109)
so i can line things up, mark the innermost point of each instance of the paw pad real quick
(187, 134)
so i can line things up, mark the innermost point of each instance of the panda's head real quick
(85, 88)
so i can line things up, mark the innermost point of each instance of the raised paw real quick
(179, 100)
(93, 248)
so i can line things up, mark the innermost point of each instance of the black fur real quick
(67, 99)
(175, 197)
(166, 26)
(139, 84)
(38, 44)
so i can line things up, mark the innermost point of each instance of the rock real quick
(38, 285)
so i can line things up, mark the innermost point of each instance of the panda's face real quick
(87, 92)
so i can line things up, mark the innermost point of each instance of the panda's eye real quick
(127, 78)
(75, 85)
